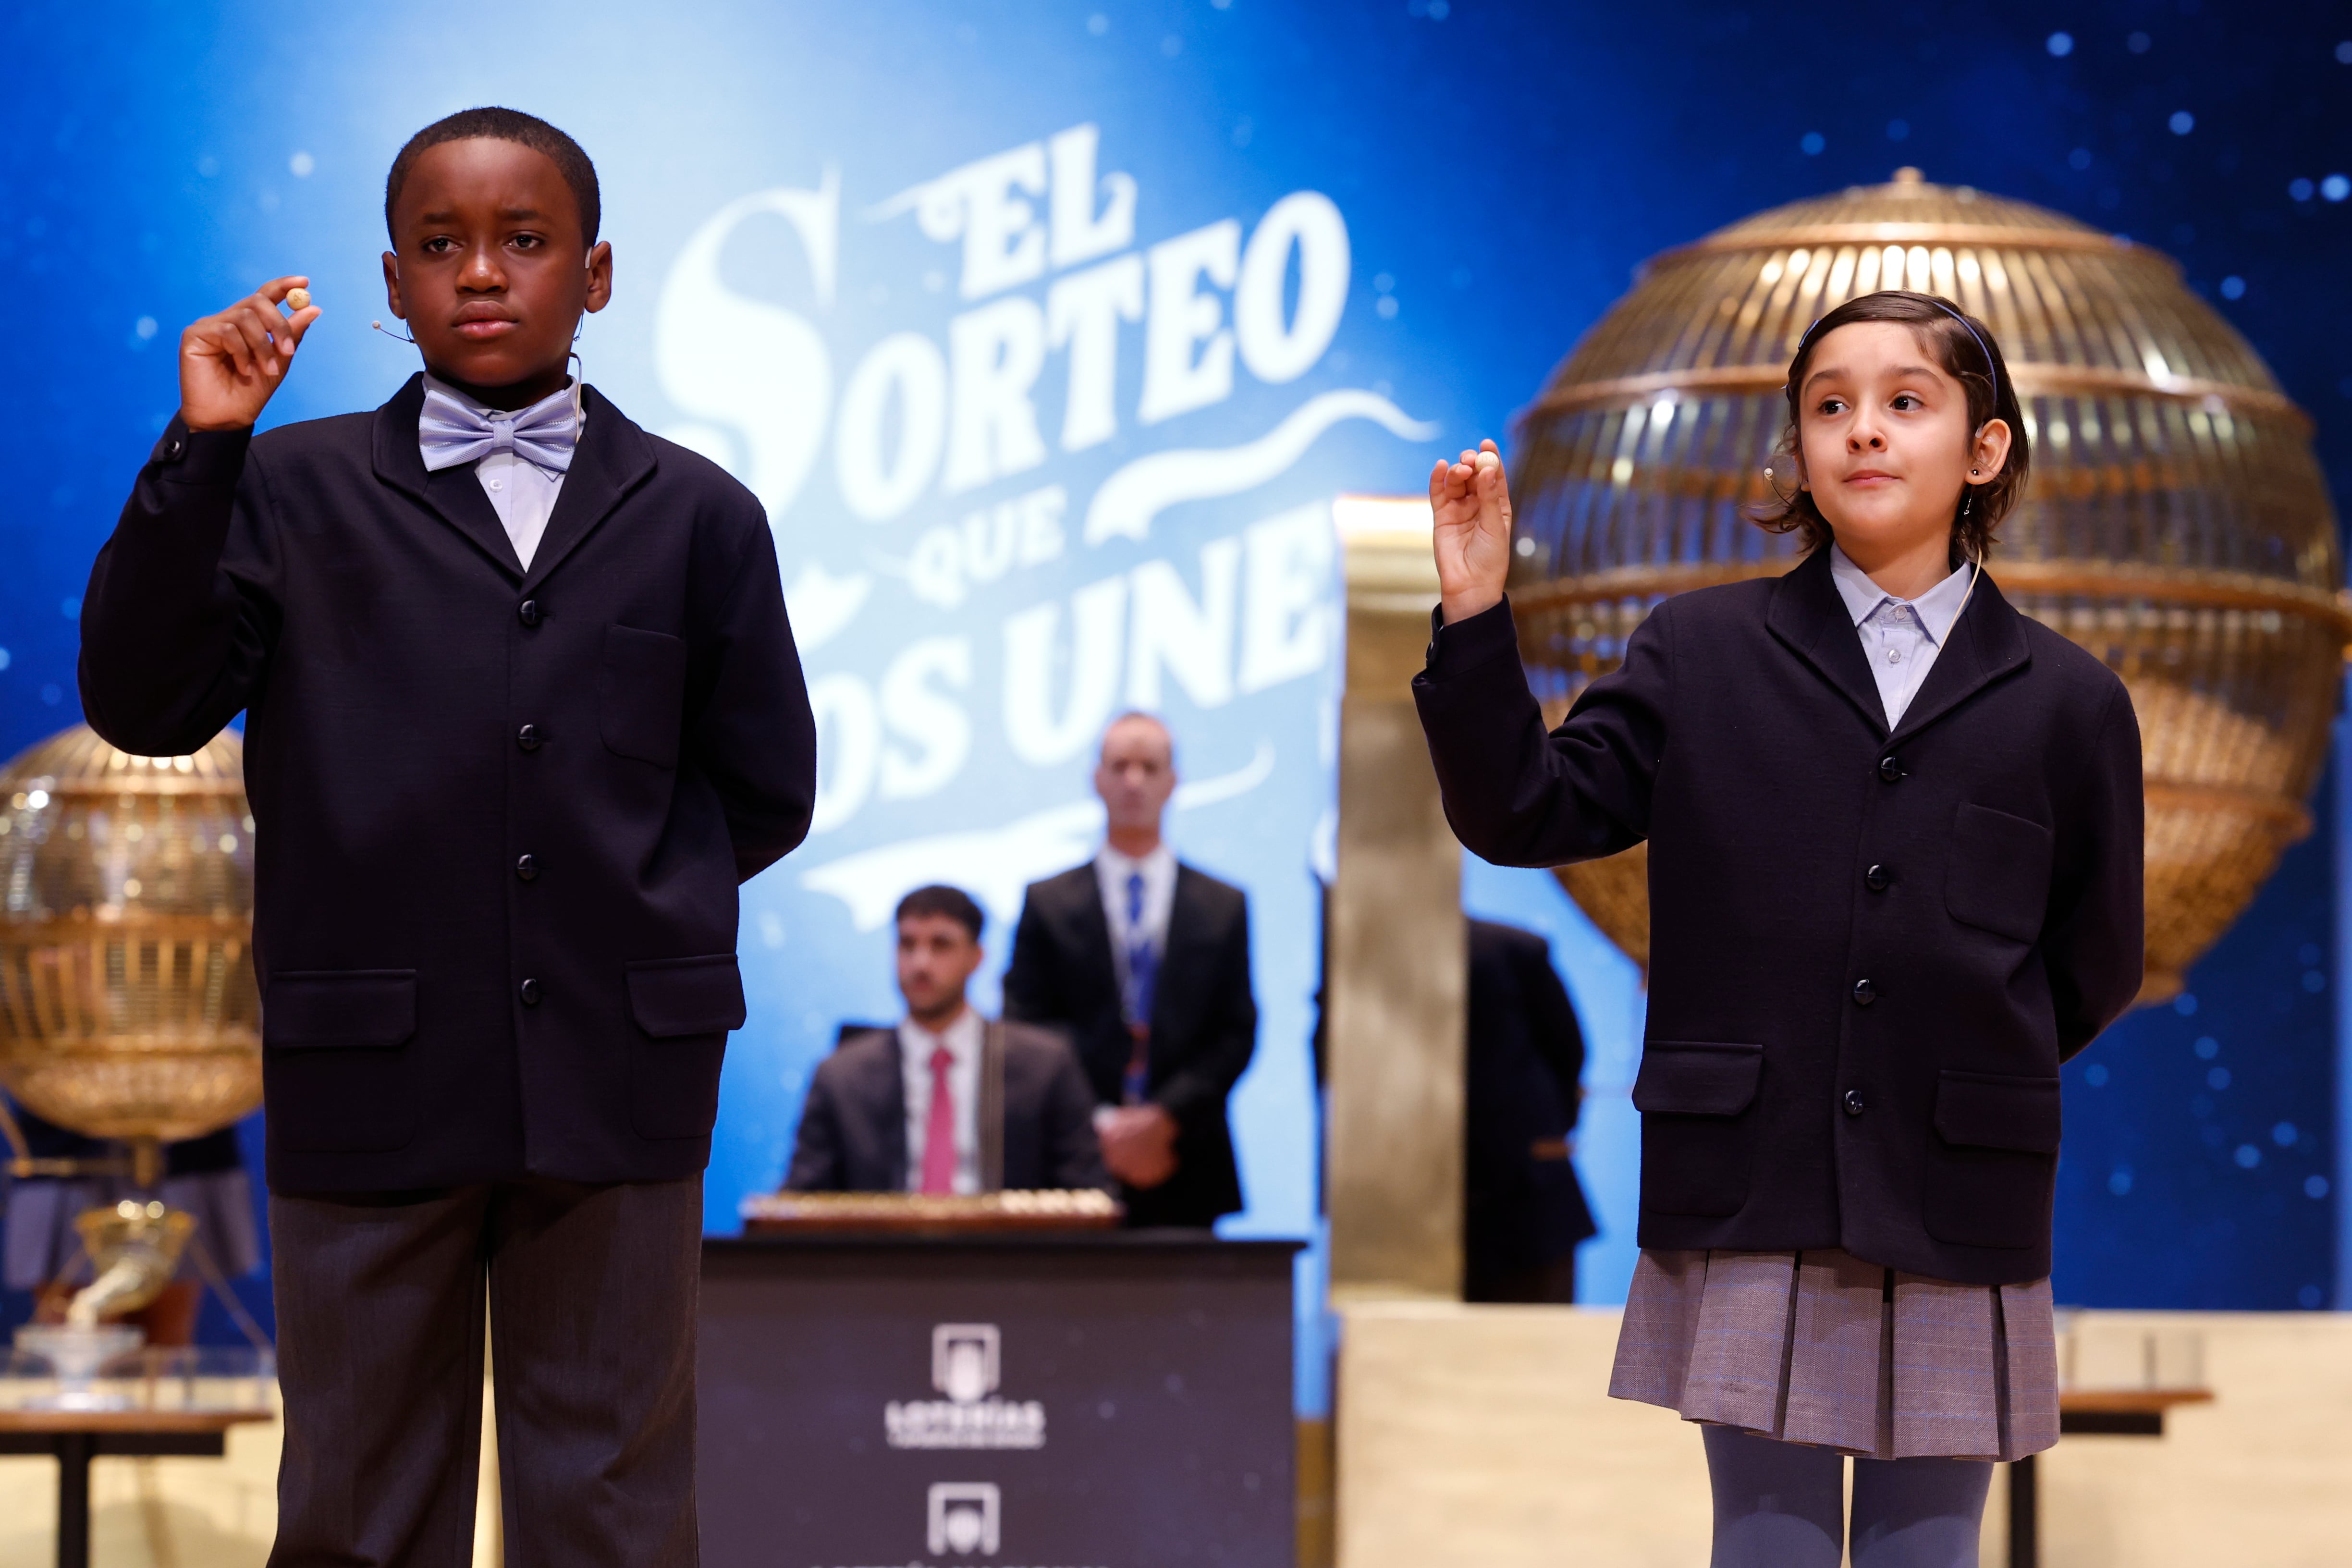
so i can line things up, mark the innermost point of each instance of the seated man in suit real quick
(948, 1101)
(1523, 1213)
(1145, 963)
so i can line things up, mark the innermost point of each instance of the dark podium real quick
(1043, 1399)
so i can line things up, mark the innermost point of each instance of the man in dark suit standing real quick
(948, 1101)
(1523, 1213)
(1145, 963)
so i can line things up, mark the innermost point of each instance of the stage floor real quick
(1480, 1436)
(1483, 1435)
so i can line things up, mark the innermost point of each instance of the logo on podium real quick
(967, 1365)
(967, 1360)
(965, 1518)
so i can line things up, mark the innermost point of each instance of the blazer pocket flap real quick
(2000, 877)
(671, 998)
(1985, 1111)
(643, 693)
(343, 1010)
(1687, 1078)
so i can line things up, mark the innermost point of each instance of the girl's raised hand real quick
(232, 363)
(1472, 508)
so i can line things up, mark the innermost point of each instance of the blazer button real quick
(1889, 769)
(1865, 992)
(1876, 878)
(527, 867)
(528, 611)
(528, 991)
(1855, 1105)
(529, 737)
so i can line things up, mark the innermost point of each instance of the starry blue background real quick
(1503, 168)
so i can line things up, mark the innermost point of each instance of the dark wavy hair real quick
(504, 125)
(940, 899)
(1971, 358)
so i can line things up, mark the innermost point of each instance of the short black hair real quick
(503, 125)
(940, 899)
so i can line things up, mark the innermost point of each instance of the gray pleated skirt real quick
(1823, 1348)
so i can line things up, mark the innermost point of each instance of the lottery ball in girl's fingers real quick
(297, 298)
(1489, 460)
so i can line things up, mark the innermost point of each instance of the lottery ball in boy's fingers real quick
(230, 363)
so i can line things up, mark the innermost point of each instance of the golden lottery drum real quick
(127, 999)
(2175, 524)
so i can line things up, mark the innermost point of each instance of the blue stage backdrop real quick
(1046, 330)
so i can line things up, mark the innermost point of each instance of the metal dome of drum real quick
(2177, 524)
(128, 1007)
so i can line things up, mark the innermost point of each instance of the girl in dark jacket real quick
(1894, 881)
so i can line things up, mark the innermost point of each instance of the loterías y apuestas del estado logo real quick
(967, 1362)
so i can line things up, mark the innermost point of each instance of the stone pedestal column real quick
(1395, 987)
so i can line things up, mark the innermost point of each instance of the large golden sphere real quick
(127, 1001)
(2175, 525)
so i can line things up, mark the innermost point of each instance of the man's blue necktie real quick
(1142, 982)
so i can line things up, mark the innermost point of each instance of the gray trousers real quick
(591, 1292)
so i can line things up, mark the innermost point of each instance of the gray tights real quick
(1782, 1505)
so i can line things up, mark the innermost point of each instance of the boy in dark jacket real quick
(522, 708)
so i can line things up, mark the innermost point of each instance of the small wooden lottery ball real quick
(297, 298)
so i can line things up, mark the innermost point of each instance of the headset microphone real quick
(396, 337)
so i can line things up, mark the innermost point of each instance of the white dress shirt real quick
(916, 1044)
(521, 492)
(1900, 637)
(1112, 870)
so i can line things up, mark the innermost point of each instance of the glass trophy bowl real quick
(74, 1357)
(59, 1369)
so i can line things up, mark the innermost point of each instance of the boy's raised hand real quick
(1472, 508)
(230, 363)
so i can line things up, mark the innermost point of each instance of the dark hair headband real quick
(1992, 366)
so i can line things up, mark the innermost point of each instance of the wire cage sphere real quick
(127, 1001)
(2175, 524)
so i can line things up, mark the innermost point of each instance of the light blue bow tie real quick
(542, 435)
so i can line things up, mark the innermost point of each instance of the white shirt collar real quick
(1938, 608)
(1159, 860)
(961, 1038)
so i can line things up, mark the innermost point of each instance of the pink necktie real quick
(939, 1133)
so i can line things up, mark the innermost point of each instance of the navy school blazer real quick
(1869, 952)
(499, 816)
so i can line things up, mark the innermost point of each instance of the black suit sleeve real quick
(181, 611)
(816, 1151)
(1195, 1093)
(1073, 1152)
(1551, 1022)
(2093, 940)
(752, 731)
(1516, 797)
(1031, 995)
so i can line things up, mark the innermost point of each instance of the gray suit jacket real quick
(1036, 1116)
